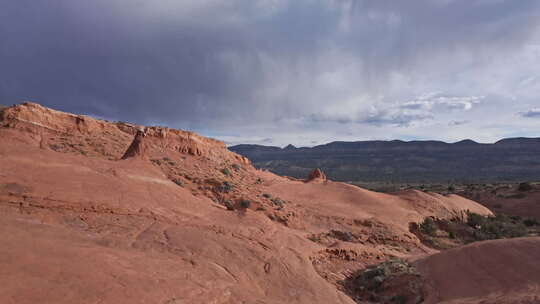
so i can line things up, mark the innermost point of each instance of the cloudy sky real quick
(275, 72)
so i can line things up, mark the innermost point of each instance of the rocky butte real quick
(93, 211)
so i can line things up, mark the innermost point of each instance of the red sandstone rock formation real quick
(111, 214)
(316, 175)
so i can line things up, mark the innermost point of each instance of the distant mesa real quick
(466, 142)
(317, 175)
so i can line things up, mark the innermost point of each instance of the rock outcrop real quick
(79, 134)
(316, 175)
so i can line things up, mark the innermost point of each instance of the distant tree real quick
(525, 187)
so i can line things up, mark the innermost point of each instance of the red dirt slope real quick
(500, 271)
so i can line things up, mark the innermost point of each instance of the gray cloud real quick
(458, 122)
(246, 65)
(396, 119)
(532, 113)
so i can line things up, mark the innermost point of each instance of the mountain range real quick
(511, 159)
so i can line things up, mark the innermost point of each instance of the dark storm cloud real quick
(209, 65)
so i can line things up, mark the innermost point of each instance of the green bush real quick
(226, 171)
(227, 187)
(500, 226)
(529, 222)
(474, 219)
(428, 227)
(245, 204)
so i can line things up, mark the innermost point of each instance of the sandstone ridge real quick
(106, 138)
(99, 212)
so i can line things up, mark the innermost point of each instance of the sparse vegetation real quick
(525, 187)
(236, 167)
(277, 201)
(516, 196)
(530, 222)
(245, 204)
(229, 205)
(475, 228)
(267, 195)
(226, 187)
(428, 227)
(393, 281)
(226, 171)
(55, 147)
(178, 182)
(500, 226)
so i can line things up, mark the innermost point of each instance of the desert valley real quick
(94, 211)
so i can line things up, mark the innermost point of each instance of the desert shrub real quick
(178, 182)
(55, 147)
(393, 281)
(226, 171)
(277, 201)
(514, 218)
(451, 234)
(245, 204)
(474, 219)
(226, 187)
(229, 205)
(529, 222)
(343, 235)
(399, 299)
(500, 226)
(525, 187)
(451, 188)
(267, 195)
(236, 167)
(516, 195)
(428, 227)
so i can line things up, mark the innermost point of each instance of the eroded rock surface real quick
(100, 212)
